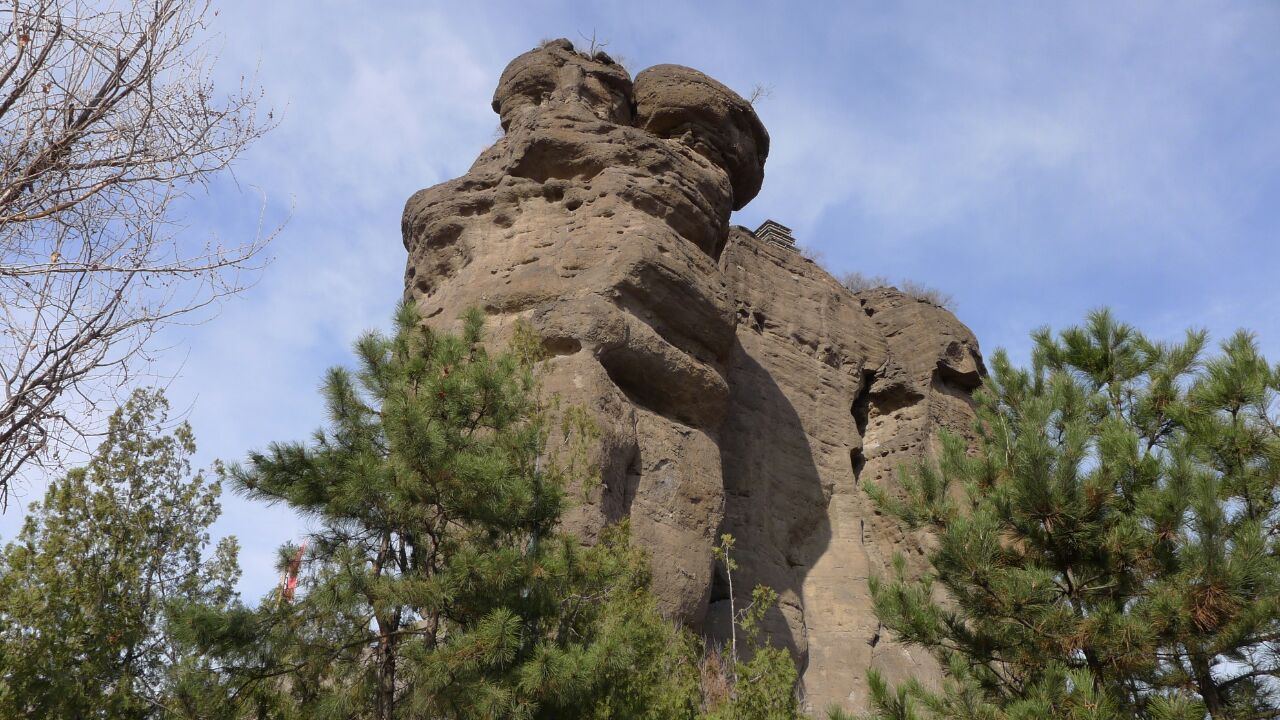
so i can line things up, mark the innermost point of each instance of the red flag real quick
(291, 574)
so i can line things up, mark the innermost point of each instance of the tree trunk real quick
(387, 627)
(1096, 670)
(1206, 685)
(386, 672)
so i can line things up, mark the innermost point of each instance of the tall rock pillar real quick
(737, 386)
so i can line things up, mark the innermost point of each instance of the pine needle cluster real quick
(1111, 549)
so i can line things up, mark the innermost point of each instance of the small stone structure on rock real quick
(776, 233)
(738, 387)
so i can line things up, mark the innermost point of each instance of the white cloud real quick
(1038, 161)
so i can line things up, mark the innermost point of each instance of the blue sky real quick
(1034, 160)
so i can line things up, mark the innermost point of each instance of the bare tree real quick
(108, 119)
(760, 91)
(594, 44)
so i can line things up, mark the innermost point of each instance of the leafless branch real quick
(108, 120)
(760, 91)
(594, 44)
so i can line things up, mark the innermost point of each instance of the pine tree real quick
(86, 588)
(437, 584)
(1111, 548)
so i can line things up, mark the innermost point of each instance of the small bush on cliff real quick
(750, 679)
(857, 282)
(1112, 550)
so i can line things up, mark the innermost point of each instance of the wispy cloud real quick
(371, 109)
(1033, 160)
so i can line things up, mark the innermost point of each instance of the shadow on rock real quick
(775, 506)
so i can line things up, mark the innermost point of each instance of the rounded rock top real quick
(667, 101)
(677, 101)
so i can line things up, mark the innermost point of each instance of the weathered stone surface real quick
(673, 101)
(828, 389)
(604, 237)
(738, 387)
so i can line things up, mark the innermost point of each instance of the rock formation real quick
(738, 387)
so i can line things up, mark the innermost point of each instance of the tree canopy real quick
(1110, 548)
(438, 583)
(87, 587)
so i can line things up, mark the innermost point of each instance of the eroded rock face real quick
(737, 386)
